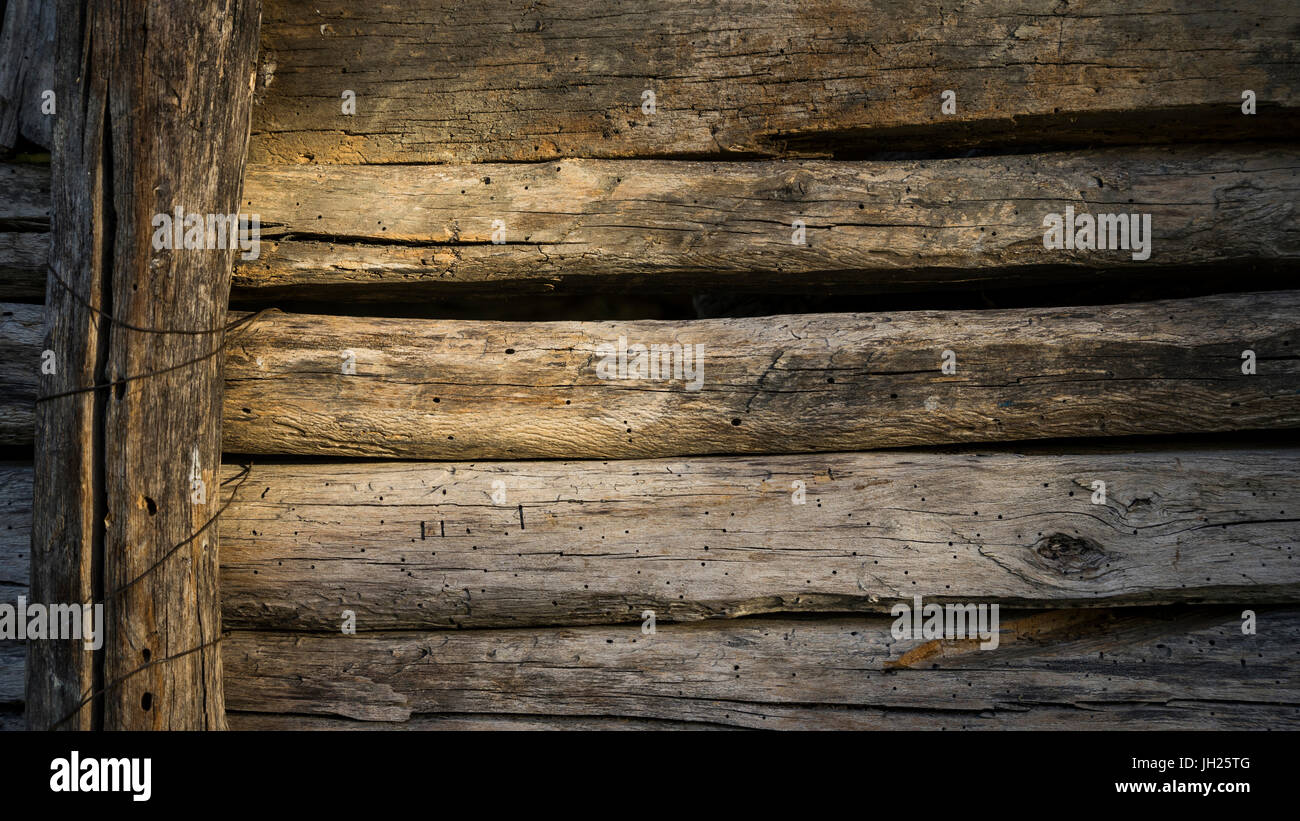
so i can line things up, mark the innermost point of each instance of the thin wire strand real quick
(231, 326)
(118, 320)
(113, 685)
(242, 477)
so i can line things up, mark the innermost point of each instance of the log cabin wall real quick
(448, 508)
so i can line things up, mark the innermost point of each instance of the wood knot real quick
(1071, 555)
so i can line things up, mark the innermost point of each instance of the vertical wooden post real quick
(153, 116)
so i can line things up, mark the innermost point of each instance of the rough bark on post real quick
(154, 116)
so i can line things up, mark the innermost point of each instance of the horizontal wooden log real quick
(475, 390)
(25, 201)
(438, 81)
(433, 389)
(404, 546)
(408, 546)
(1170, 716)
(23, 259)
(15, 548)
(24, 230)
(22, 334)
(15, 528)
(1134, 669)
(868, 226)
(271, 721)
(12, 718)
(13, 662)
(376, 232)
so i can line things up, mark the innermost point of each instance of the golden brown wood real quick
(1184, 669)
(431, 389)
(27, 72)
(443, 81)
(154, 105)
(375, 231)
(420, 546)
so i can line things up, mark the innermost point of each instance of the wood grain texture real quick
(1152, 716)
(15, 529)
(68, 507)
(155, 104)
(452, 723)
(1132, 669)
(406, 546)
(439, 81)
(25, 202)
(869, 226)
(24, 230)
(12, 664)
(12, 718)
(15, 548)
(22, 265)
(26, 71)
(409, 546)
(22, 328)
(453, 389)
(432, 389)
(379, 232)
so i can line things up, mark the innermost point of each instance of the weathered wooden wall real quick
(524, 564)
(503, 593)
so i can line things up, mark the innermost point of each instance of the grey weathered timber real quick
(1117, 669)
(417, 546)
(154, 116)
(24, 230)
(1195, 512)
(21, 330)
(456, 389)
(12, 658)
(272, 721)
(1148, 716)
(432, 389)
(22, 265)
(27, 72)
(366, 231)
(380, 232)
(25, 201)
(444, 81)
(15, 528)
